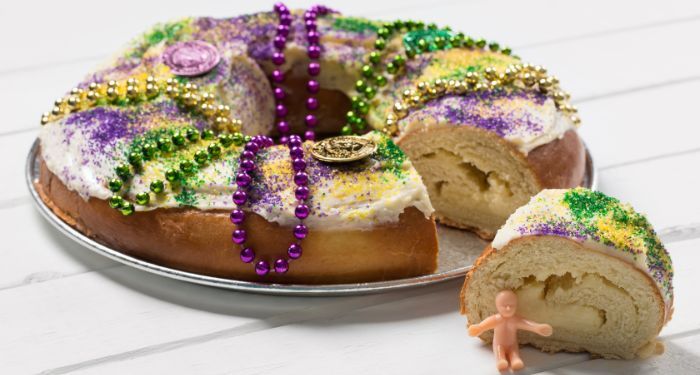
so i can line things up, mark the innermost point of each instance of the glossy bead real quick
(284, 139)
(267, 141)
(149, 150)
(283, 30)
(311, 120)
(279, 42)
(296, 152)
(115, 184)
(127, 208)
(172, 175)
(302, 211)
(187, 167)
(310, 25)
(123, 171)
(279, 93)
(240, 197)
(262, 268)
(243, 179)
(201, 157)
(362, 107)
(208, 134)
(286, 19)
(214, 150)
(281, 110)
(239, 236)
(298, 164)
(135, 158)
(278, 58)
(157, 186)
(248, 155)
(192, 135)
(314, 68)
(379, 44)
(165, 144)
(312, 86)
(301, 193)
(311, 103)
(314, 51)
(115, 201)
(309, 135)
(300, 231)
(283, 126)
(312, 37)
(247, 165)
(278, 7)
(309, 16)
(294, 141)
(252, 147)
(178, 139)
(294, 251)
(277, 76)
(226, 140)
(143, 198)
(237, 216)
(281, 266)
(301, 178)
(247, 255)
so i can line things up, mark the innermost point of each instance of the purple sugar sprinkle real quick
(571, 230)
(104, 127)
(464, 110)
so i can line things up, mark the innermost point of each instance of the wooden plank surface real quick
(633, 72)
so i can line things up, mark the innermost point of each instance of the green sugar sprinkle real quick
(186, 197)
(172, 31)
(391, 156)
(412, 39)
(358, 25)
(586, 206)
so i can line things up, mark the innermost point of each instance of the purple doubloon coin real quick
(192, 58)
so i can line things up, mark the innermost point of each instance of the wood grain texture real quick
(630, 65)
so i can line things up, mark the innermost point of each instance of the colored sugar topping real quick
(353, 196)
(357, 25)
(600, 222)
(526, 119)
(102, 127)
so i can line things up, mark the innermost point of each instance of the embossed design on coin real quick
(191, 58)
(343, 149)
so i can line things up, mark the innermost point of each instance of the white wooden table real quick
(634, 70)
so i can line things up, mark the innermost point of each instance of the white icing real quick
(520, 112)
(378, 200)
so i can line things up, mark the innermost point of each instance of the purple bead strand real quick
(278, 58)
(313, 39)
(294, 143)
(240, 198)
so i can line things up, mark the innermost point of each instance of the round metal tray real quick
(458, 250)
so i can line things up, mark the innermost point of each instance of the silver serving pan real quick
(458, 250)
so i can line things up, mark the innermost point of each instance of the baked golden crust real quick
(199, 241)
(559, 164)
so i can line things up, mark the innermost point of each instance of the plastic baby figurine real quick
(505, 326)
